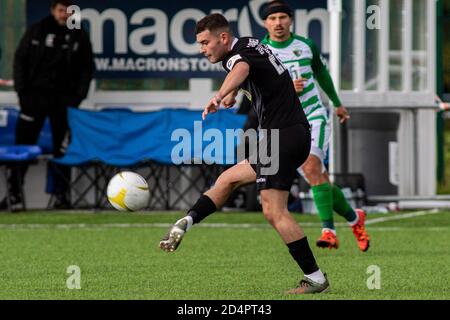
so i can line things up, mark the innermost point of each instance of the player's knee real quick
(312, 171)
(269, 215)
(274, 214)
(268, 209)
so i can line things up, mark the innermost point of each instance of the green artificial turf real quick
(228, 256)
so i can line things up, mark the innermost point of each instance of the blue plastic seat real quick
(8, 132)
(12, 156)
(19, 153)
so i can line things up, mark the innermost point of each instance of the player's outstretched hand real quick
(211, 107)
(342, 114)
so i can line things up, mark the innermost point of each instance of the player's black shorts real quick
(278, 172)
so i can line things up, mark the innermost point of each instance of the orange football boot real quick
(328, 240)
(360, 232)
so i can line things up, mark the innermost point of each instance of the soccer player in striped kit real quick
(303, 60)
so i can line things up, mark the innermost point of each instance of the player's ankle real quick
(202, 208)
(189, 222)
(333, 231)
(317, 277)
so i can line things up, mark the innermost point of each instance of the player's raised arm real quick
(235, 78)
(231, 83)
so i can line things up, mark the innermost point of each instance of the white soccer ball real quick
(128, 191)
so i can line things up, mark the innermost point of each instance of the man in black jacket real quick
(53, 67)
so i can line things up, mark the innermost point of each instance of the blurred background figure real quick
(53, 68)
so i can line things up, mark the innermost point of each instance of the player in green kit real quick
(303, 60)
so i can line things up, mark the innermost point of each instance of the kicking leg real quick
(231, 179)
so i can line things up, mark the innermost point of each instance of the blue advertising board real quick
(151, 39)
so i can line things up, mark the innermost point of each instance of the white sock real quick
(328, 229)
(189, 222)
(316, 276)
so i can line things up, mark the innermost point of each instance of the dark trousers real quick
(35, 107)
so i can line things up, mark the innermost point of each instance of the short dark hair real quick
(274, 7)
(66, 3)
(212, 22)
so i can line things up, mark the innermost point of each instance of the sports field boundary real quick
(34, 226)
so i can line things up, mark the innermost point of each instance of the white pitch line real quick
(204, 225)
(132, 225)
(100, 227)
(402, 216)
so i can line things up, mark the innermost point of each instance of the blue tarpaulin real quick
(124, 138)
